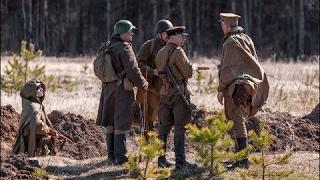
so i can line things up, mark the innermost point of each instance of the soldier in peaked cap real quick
(243, 84)
(146, 60)
(174, 107)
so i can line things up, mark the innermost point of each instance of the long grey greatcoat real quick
(116, 102)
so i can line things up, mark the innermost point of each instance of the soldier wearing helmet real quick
(146, 59)
(117, 97)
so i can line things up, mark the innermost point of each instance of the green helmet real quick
(123, 26)
(163, 25)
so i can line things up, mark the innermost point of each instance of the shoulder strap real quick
(168, 59)
(109, 47)
(151, 47)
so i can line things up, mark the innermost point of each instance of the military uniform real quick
(34, 125)
(116, 101)
(173, 110)
(146, 60)
(242, 80)
(146, 57)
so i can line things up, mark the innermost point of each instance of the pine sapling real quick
(18, 70)
(212, 143)
(142, 163)
(263, 141)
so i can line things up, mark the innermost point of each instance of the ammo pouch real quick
(127, 85)
(240, 95)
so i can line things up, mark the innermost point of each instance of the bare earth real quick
(294, 89)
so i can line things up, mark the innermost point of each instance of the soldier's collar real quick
(236, 30)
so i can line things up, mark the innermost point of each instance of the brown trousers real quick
(176, 114)
(236, 114)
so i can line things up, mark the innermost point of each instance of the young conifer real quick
(212, 143)
(150, 148)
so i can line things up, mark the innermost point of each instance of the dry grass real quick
(294, 87)
(305, 166)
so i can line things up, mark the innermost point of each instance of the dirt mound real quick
(18, 167)
(88, 139)
(9, 125)
(314, 116)
(300, 134)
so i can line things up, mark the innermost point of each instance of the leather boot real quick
(181, 163)
(243, 163)
(120, 149)
(162, 160)
(110, 147)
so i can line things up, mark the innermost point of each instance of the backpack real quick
(102, 64)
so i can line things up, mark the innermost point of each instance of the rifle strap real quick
(171, 51)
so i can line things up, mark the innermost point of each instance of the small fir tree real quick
(142, 163)
(262, 142)
(18, 70)
(212, 143)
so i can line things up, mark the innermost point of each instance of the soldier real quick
(243, 85)
(34, 126)
(117, 97)
(146, 59)
(174, 95)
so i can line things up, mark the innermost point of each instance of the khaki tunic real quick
(239, 65)
(146, 60)
(116, 103)
(33, 121)
(173, 110)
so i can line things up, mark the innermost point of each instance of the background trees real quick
(77, 27)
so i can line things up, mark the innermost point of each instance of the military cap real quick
(229, 18)
(176, 30)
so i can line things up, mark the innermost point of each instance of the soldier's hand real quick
(220, 97)
(155, 73)
(53, 132)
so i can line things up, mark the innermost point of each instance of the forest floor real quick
(294, 93)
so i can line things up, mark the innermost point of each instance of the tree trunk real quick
(24, 19)
(45, 25)
(233, 6)
(154, 7)
(183, 15)
(294, 30)
(259, 27)
(301, 26)
(166, 9)
(30, 38)
(245, 14)
(198, 27)
(108, 14)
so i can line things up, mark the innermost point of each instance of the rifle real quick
(60, 136)
(176, 85)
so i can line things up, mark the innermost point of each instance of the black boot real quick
(181, 162)
(120, 149)
(242, 144)
(162, 160)
(110, 147)
(243, 163)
